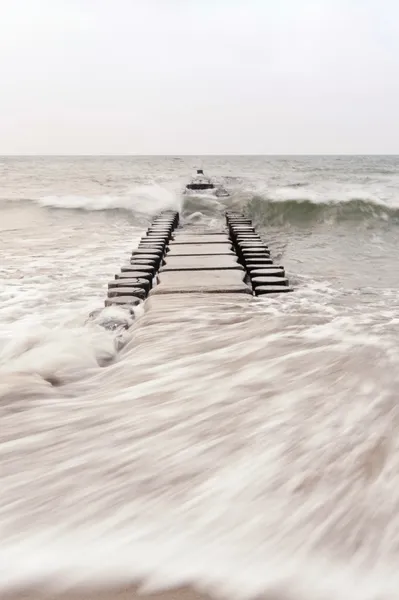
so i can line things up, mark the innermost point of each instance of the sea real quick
(251, 450)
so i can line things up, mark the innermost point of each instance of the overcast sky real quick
(199, 76)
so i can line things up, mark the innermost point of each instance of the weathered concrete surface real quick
(137, 268)
(143, 261)
(255, 253)
(136, 282)
(253, 257)
(248, 244)
(150, 244)
(132, 272)
(258, 264)
(209, 281)
(199, 248)
(177, 300)
(201, 262)
(179, 307)
(147, 252)
(124, 300)
(273, 289)
(150, 237)
(242, 227)
(184, 238)
(263, 281)
(160, 227)
(268, 270)
(191, 266)
(126, 291)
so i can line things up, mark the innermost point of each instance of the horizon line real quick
(190, 155)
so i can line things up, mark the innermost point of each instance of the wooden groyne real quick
(172, 260)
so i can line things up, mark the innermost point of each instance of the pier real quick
(174, 264)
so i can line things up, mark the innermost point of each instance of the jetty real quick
(172, 264)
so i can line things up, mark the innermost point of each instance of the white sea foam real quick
(148, 199)
(200, 464)
(248, 448)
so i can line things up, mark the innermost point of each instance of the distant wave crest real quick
(297, 211)
(145, 199)
(297, 204)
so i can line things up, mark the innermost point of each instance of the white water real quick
(251, 448)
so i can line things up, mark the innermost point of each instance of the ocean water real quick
(248, 449)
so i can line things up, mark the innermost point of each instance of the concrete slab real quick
(198, 249)
(163, 220)
(146, 268)
(144, 261)
(155, 236)
(133, 275)
(267, 271)
(243, 229)
(198, 230)
(263, 281)
(248, 254)
(182, 238)
(147, 252)
(257, 263)
(150, 244)
(135, 282)
(204, 262)
(178, 300)
(122, 300)
(172, 307)
(248, 244)
(126, 291)
(180, 308)
(201, 281)
(159, 230)
(235, 220)
(273, 289)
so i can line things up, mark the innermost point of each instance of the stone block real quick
(183, 238)
(251, 245)
(201, 262)
(272, 289)
(127, 291)
(226, 281)
(144, 270)
(130, 282)
(146, 253)
(266, 280)
(123, 300)
(199, 249)
(143, 261)
(177, 302)
(257, 263)
(268, 270)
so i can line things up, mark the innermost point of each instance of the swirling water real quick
(248, 447)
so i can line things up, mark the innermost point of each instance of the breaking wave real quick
(145, 199)
(294, 209)
(306, 211)
(296, 203)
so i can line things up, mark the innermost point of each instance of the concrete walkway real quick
(184, 264)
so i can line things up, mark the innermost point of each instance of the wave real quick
(307, 211)
(145, 199)
(295, 203)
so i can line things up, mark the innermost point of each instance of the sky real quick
(199, 77)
